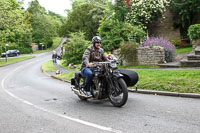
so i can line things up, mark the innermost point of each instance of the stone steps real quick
(193, 57)
(197, 50)
(193, 60)
(190, 63)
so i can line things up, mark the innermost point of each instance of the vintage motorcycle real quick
(108, 82)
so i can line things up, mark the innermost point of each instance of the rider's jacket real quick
(93, 55)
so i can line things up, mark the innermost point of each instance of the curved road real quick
(31, 102)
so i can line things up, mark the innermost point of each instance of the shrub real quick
(75, 48)
(22, 50)
(144, 11)
(194, 31)
(176, 42)
(128, 52)
(169, 48)
(114, 32)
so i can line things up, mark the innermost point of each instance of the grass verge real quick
(14, 60)
(48, 66)
(183, 50)
(182, 81)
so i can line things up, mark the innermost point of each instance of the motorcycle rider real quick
(93, 53)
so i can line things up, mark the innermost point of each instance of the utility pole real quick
(6, 53)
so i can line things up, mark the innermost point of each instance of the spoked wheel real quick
(119, 94)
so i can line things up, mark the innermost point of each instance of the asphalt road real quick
(31, 102)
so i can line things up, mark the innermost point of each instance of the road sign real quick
(6, 44)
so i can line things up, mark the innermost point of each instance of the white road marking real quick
(54, 113)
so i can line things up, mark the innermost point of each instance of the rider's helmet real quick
(96, 39)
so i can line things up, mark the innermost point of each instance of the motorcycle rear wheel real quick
(118, 97)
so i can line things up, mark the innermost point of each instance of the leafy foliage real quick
(44, 26)
(169, 48)
(80, 20)
(120, 10)
(175, 42)
(144, 11)
(185, 10)
(14, 25)
(114, 32)
(194, 31)
(128, 51)
(75, 48)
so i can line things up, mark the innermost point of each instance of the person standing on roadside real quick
(54, 57)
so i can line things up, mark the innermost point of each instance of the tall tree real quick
(80, 19)
(184, 11)
(44, 26)
(11, 22)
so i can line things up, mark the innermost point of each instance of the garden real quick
(124, 27)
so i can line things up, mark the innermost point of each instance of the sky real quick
(57, 6)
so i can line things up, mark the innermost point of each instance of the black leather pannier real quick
(129, 76)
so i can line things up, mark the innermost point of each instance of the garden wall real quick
(165, 26)
(150, 56)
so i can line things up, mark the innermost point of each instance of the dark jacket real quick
(92, 55)
(54, 56)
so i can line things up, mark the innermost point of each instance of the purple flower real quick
(169, 48)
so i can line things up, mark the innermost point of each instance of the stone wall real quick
(150, 56)
(165, 26)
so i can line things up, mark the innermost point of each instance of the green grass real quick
(138, 67)
(183, 50)
(65, 76)
(48, 66)
(183, 81)
(13, 60)
(56, 42)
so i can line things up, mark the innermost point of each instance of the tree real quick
(113, 28)
(144, 11)
(184, 11)
(36, 8)
(43, 29)
(120, 10)
(114, 32)
(75, 48)
(12, 24)
(44, 26)
(80, 20)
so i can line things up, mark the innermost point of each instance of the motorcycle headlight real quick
(113, 65)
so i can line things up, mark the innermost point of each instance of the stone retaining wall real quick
(150, 56)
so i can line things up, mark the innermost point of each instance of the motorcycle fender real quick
(118, 75)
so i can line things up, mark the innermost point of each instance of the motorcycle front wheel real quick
(118, 95)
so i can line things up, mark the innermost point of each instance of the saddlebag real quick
(129, 76)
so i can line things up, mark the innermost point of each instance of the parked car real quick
(11, 53)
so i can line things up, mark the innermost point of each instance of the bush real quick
(22, 50)
(26, 50)
(194, 31)
(114, 32)
(128, 52)
(176, 42)
(169, 48)
(75, 48)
